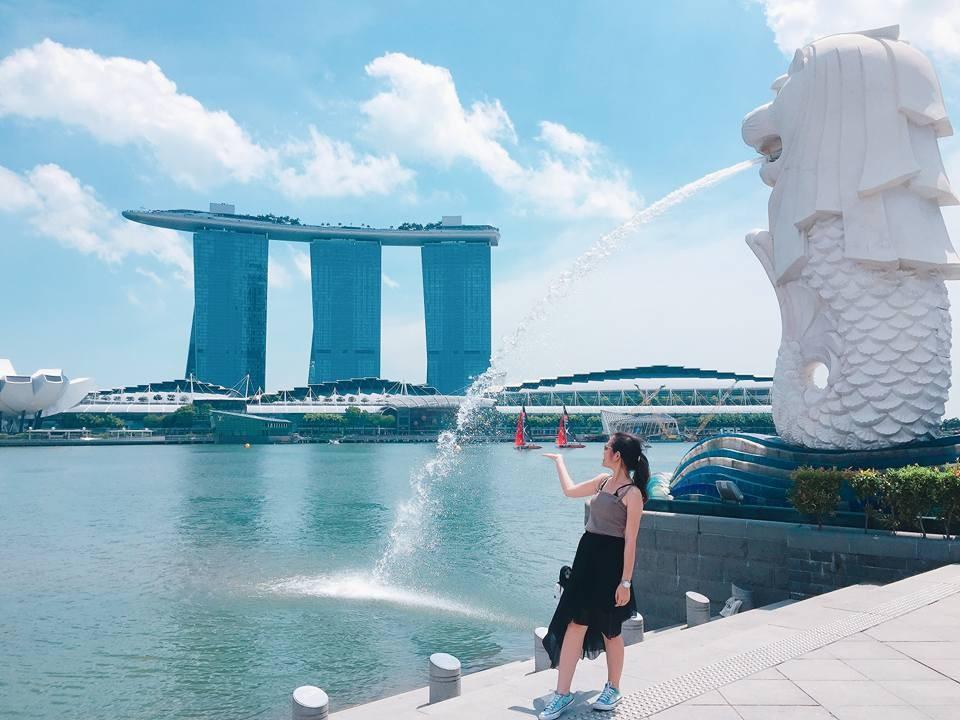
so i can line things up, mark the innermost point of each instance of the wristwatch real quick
(625, 583)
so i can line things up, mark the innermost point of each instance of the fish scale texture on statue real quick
(880, 373)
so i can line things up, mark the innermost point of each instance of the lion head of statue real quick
(853, 132)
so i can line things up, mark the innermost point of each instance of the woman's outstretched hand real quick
(553, 456)
(622, 597)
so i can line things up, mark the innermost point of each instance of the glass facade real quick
(456, 304)
(228, 339)
(346, 310)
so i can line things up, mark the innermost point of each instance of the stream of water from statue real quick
(406, 535)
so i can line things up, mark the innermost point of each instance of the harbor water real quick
(209, 581)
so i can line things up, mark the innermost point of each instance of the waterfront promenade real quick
(878, 652)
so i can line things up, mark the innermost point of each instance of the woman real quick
(598, 596)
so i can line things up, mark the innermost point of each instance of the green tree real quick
(910, 494)
(870, 487)
(91, 421)
(947, 496)
(816, 491)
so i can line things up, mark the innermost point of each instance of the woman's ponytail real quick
(630, 448)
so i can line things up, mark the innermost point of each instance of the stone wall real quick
(777, 561)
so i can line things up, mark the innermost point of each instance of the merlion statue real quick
(857, 250)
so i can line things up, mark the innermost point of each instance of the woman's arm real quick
(634, 503)
(571, 489)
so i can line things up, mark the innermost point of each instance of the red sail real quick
(562, 431)
(518, 438)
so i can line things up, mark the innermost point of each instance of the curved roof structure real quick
(644, 372)
(47, 391)
(198, 221)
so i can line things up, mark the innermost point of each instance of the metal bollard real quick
(444, 677)
(310, 703)
(541, 660)
(632, 629)
(698, 609)
(743, 595)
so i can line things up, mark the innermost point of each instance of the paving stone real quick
(765, 692)
(857, 650)
(925, 692)
(897, 712)
(783, 712)
(819, 669)
(948, 667)
(940, 712)
(891, 669)
(923, 651)
(839, 693)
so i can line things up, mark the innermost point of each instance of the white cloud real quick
(562, 140)
(122, 101)
(931, 24)
(420, 115)
(152, 276)
(15, 192)
(277, 274)
(389, 281)
(134, 299)
(301, 261)
(59, 207)
(332, 169)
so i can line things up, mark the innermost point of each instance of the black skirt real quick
(589, 598)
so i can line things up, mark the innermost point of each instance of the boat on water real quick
(522, 439)
(565, 438)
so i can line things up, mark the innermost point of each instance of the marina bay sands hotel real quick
(228, 340)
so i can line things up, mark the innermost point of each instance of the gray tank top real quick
(608, 514)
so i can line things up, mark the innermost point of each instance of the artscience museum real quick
(46, 392)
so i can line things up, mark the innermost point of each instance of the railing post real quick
(632, 629)
(541, 660)
(444, 677)
(310, 703)
(698, 609)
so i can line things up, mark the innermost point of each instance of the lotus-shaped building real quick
(45, 392)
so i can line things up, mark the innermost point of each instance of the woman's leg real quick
(614, 650)
(570, 652)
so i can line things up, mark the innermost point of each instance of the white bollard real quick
(444, 677)
(698, 609)
(310, 703)
(541, 660)
(632, 629)
(743, 595)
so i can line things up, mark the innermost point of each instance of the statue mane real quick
(863, 144)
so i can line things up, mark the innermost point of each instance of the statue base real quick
(760, 465)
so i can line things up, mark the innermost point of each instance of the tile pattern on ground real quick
(677, 690)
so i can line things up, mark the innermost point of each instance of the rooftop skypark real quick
(281, 227)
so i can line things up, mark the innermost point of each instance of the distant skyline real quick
(553, 122)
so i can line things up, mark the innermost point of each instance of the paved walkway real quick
(864, 652)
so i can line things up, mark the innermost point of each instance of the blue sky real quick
(552, 121)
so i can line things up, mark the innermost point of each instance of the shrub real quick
(870, 487)
(910, 494)
(816, 491)
(947, 496)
